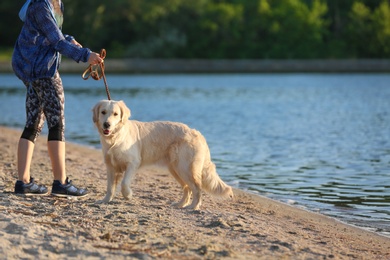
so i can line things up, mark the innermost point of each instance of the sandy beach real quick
(149, 227)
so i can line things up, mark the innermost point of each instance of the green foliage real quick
(381, 27)
(369, 30)
(292, 29)
(222, 29)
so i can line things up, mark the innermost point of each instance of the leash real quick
(93, 72)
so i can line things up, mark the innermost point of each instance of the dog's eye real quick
(115, 114)
(103, 112)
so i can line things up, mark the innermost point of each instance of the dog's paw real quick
(180, 204)
(177, 205)
(194, 208)
(127, 193)
(103, 201)
(128, 196)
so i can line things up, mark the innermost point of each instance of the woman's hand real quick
(94, 58)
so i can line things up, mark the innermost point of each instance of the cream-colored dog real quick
(128, 145)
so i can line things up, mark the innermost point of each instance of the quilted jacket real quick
(38, 49)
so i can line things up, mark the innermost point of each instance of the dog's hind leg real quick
(195, 184)
(189, 169)
(185, 200)
(196, 197)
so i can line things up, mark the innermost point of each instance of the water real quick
(318, 141)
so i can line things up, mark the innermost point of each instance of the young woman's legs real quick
(45, 99)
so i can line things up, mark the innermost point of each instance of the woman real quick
(35, 61)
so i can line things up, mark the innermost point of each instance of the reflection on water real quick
(317, 141)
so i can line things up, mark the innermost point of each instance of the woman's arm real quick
(47, 25)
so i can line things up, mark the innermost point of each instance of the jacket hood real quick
(23, 10)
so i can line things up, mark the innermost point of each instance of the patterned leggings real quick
(45, 100)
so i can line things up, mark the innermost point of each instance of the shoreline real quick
(134, 66)
(148, 226)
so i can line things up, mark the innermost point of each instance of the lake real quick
(316, 141)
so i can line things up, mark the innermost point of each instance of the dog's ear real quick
(125, 111)
(95, 112)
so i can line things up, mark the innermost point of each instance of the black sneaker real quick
(67, 190)
(30, 189)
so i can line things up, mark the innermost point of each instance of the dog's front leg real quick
(111, 186)
(127, 178)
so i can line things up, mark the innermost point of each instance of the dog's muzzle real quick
(106, 128)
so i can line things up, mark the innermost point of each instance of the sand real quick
(149, 227)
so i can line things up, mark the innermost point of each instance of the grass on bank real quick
(6, 54)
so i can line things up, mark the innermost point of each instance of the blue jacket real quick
(38, 49)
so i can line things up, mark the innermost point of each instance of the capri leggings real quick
(45, 100)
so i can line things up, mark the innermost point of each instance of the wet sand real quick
(149, 227)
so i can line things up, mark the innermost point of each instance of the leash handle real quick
(93, 72)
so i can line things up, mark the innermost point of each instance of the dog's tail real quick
(212, 183)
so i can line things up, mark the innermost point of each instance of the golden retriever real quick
(128, 145)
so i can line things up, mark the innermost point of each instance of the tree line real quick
(222, 29)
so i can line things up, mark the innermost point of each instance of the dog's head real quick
(108, 115)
